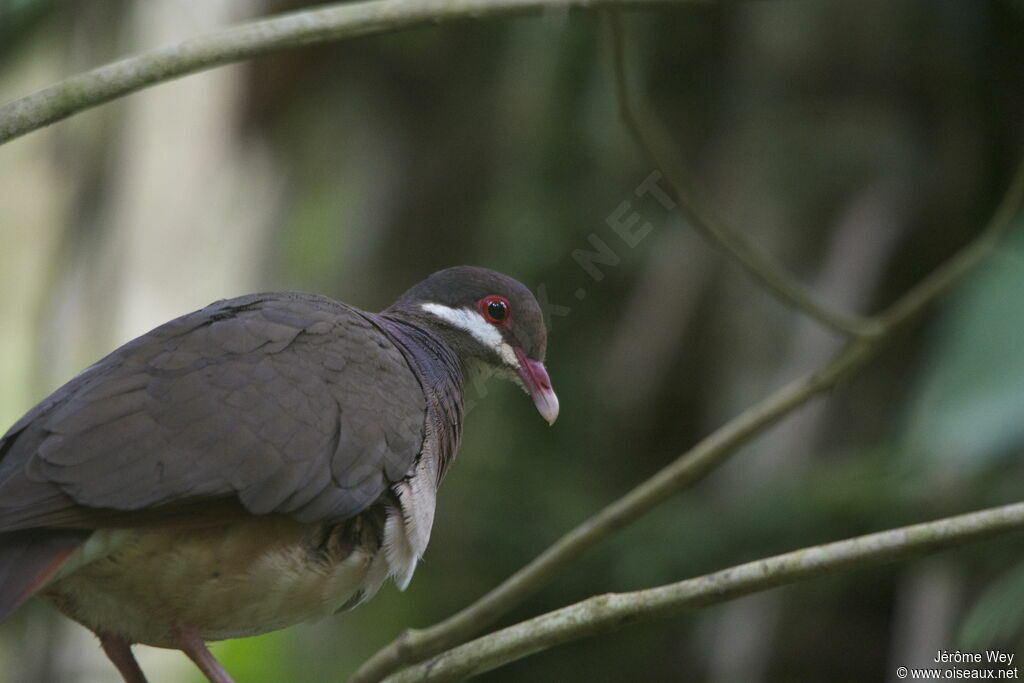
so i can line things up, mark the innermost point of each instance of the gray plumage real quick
(309, 406)
(263, 461)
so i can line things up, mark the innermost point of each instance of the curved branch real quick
(258, 38)
(416, 645)
(606, 613)
(649, 134)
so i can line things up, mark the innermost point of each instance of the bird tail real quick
(29, 558)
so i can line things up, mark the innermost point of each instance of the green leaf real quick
(996, 617)
(967, 408)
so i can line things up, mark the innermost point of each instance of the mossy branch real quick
(416, 645)
(867, 335)
(260, 38)
(606, 613)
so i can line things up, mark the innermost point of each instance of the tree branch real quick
(357, 19)
(649, 134)
(416, 645)
(259, 38)
(610, 612)
(868, 336)
(946, 276)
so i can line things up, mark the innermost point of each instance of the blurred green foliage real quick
(996, 619)
(872, 136)
(968, 409)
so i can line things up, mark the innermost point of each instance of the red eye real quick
(494, 309)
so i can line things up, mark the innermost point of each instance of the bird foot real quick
(192, 644)
(119, 651)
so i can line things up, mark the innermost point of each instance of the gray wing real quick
(286, 403)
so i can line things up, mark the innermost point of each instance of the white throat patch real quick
(474, 323)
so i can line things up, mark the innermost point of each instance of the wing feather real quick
(286, 403)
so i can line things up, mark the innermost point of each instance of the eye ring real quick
(495, 309)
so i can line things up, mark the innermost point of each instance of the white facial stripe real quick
(474, 323)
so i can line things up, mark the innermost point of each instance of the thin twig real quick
(413, 646)
(948, 274)
(259, 38)
(610, 612)
(650, 136)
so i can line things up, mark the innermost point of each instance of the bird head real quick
(489, 320)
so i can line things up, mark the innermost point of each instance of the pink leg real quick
(192, 644)
(120, 653)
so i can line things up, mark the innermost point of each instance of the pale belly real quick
(229, 581)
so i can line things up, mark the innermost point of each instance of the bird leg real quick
(191, 643)
(119, 652)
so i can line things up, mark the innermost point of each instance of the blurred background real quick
(859, 143)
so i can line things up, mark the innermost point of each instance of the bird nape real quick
(264, 461)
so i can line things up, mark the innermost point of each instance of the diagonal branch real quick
(948, 274)
(610, 612)
(364, 18)
(650, 136)
(416, 645)
(869, 335)
(259, 38)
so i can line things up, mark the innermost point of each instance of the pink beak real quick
(535, 379)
